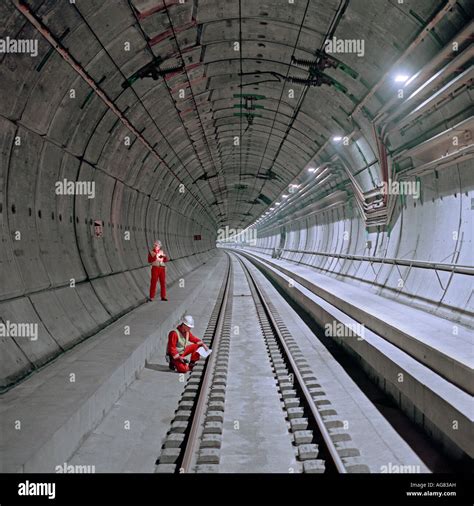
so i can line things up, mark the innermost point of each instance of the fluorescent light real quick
(337, 138)
(285, 196)
(311, 169)
(278, 203)
(401, 78)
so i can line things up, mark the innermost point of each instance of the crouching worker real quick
(181, 343)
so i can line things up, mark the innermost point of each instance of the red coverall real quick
(157, 272)
(175, 352)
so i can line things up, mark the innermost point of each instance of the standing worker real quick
(157, 258)
(182, 343)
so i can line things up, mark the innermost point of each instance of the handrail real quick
(421, 264)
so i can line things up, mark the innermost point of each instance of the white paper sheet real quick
(203, 352)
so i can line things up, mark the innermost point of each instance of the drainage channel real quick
(194, 439)
(323, 444)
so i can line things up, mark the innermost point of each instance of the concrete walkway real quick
(45, 418)
(445, 347)
(130, 437)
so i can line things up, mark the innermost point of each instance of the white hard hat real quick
(188, 320)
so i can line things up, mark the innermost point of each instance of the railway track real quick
(318, 437)
(196, 431)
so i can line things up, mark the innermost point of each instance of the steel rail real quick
(193, 437)
(337, 461)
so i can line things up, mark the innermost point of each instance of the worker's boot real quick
(191, 365)
(170, 362)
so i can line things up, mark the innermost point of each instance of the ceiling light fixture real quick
(337, 138)
(401, 78)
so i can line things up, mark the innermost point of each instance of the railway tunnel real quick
(308, 168)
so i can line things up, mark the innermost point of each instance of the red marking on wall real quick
(157, 8)
(169, 33)
(186, 85)
(186, 111)
(188, 68)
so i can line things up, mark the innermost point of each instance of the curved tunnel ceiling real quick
(180, 125)
(138, 120)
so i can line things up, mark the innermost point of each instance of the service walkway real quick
(445, 347)
(45, 418)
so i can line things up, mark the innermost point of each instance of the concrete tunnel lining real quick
(102, 48)
(170, 159)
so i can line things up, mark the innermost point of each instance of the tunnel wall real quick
(54, 271)
(54, 126)
(435, 228)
